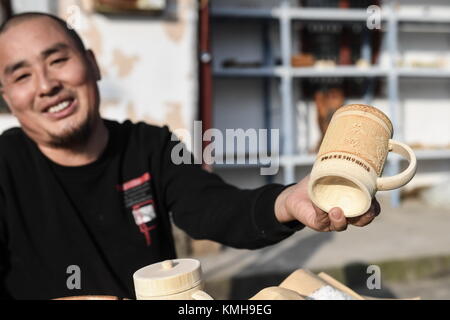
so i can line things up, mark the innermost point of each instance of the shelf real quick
(307, 72)
(339, 71)
(423, 18)
(302, 14)
(244, 13)
(432, 154)
(413, 27)
(247, 72)
(423, 73)
(328, 14)
(323, 14)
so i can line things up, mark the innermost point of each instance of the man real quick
(78, 191)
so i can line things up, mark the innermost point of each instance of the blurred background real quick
(288, 65)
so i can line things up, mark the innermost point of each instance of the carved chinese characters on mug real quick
(363, 135)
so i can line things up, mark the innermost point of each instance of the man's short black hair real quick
(17, 18)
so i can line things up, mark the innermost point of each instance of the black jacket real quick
(111, 217)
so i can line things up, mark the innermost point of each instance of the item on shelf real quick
(327, 102)
(362, 64)
(324, 64)
(345, 48)
(427, 64)
(303, 60)
(345, 55)
(321, 40)
(233, 63)
(347, 171)
(344, 4)
(421, 146)
(419, 61)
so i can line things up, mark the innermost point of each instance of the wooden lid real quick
(167, 277)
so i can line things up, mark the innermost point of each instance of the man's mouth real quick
(59, 107)
(62, 109)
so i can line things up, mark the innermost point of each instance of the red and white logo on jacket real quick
(138, 198)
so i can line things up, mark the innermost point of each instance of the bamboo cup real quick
(347, 170)
(178, 279)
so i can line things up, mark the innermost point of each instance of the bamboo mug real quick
(178, 279)
(347, 170)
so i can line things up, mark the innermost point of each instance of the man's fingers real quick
(375, 208)
(362, 221)
(366, 218)
(335, 220)
(321, 220)
(338, 222)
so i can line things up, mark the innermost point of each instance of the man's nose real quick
(47, 85)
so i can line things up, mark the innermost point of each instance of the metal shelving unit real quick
(303, 14)
(307, 72)
(286, 74)
(423, 73)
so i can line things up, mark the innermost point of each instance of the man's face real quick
(49, 85)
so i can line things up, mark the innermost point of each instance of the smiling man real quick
(78, 192)
(49, 82)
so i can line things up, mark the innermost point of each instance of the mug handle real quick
(399, 180)
(201, 295)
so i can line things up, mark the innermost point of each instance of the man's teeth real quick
(59, 107)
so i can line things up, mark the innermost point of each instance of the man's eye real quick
(22, 77)
(60, 60)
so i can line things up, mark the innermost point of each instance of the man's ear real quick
(93, 64)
